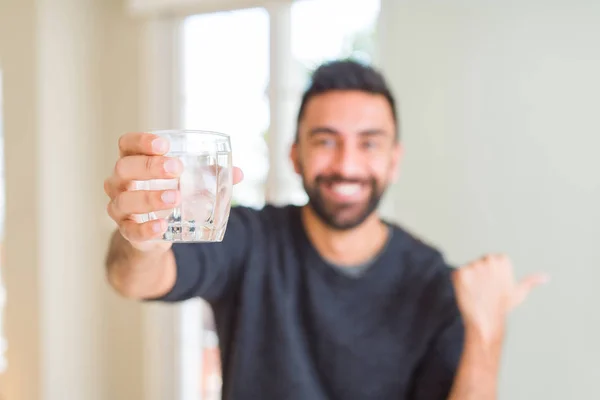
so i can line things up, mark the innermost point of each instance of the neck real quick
(348, 247)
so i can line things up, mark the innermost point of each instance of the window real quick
(328, 29)
(225, 79)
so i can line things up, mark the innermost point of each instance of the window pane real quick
(328, 29)
(226, 72)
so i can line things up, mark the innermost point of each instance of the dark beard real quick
(331, 216)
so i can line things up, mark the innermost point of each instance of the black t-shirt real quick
(292, 326)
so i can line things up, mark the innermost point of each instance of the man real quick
(325, 301)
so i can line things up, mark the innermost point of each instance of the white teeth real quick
(346, 189)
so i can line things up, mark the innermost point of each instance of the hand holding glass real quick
(205, 186)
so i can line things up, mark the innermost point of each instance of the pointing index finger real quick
(141, 143)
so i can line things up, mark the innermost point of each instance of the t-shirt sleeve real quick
(211, 270)
(435, 375)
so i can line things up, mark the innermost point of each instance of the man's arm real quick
(142, 267)
(486, 293)
(460, 365)
(463, 360)
(139, 274)
(477, 374)
(184, 270)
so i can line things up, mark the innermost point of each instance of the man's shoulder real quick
(416, 250)
(425, 262)
(427, 269)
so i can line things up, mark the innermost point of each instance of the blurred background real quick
(499, 108)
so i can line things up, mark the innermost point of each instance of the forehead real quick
(349, 112)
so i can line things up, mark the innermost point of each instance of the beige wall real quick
(120, 99)
(499, 105)
(71, 87)
(22, 258)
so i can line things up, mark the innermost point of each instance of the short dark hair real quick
(347, 75)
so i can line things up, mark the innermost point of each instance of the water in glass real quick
(205, 186)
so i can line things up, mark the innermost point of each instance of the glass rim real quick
(203, 132)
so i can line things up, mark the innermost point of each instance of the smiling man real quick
(325, 301)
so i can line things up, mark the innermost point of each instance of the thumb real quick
(526, 285)
(238, 175)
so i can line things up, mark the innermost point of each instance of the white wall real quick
(499, 104)
(70, 70)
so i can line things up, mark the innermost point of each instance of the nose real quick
(348, 161)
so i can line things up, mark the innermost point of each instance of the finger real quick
(142, 168)
(113, 212)
(526, 286)
(109, 187)
(137, 232)
(143, 144)
(238, 175)
(113, 186)
(144, 201)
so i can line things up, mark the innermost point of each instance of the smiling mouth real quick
(346, 189)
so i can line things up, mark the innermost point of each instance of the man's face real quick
(346, 154)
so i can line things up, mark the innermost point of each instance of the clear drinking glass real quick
(205, 186)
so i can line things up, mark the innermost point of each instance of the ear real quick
(397, 156)
(294, 157)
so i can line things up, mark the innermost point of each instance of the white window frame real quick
(185, 8)
(172, 343)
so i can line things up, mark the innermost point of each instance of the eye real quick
(370, 145)
(325, 142)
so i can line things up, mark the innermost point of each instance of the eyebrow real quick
(330, 131)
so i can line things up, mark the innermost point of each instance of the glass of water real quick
(205, 185)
